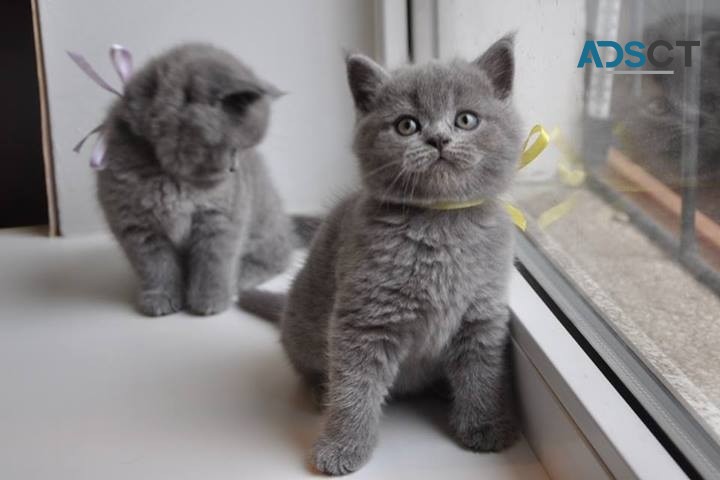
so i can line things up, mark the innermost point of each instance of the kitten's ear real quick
(498, 62)
(238, 101)
(365, 78)
(271, 90)
(247, 93)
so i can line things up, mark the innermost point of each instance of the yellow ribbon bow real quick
(529, 153)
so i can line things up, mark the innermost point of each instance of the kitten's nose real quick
(438, 141)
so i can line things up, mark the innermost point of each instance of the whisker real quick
(416, 179)
(394, 181)
(406, 184)
(381, 168)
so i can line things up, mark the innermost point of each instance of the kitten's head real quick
(199, 107)
(437, 132)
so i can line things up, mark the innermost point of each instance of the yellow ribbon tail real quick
(517, 216)
(555, 213)
(533, 151)
(529, 153)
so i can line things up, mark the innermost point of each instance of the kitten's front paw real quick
(206, 301)
(158, 303)
(488, 436)
(340, 457)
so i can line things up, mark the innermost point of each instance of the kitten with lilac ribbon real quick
(406, 281)
(184, 190)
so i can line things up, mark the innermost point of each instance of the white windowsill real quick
(91, 389)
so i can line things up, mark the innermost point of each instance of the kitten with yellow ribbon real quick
(406, 281)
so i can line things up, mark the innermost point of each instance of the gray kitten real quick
(395, 295)
(185, 193)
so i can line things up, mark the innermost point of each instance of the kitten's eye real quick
(237, 102)
(659, 106)
(406, 126)
(467, 120)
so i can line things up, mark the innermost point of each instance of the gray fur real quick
(185, 193)
(264, 304)
(305, 227)
(395, 297)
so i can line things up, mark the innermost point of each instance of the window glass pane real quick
(626, 199)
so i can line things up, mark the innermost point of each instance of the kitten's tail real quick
(305, 228)
(264, 304)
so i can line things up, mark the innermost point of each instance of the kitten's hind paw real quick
(158, 303)
(489, 436)
(339, 457)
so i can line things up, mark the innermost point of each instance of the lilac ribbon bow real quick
(121, 59)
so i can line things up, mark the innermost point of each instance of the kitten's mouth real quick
(443, 164)
(457, 163)
(215, 173)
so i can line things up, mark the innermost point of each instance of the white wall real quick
(550, 36)
(295, 44)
